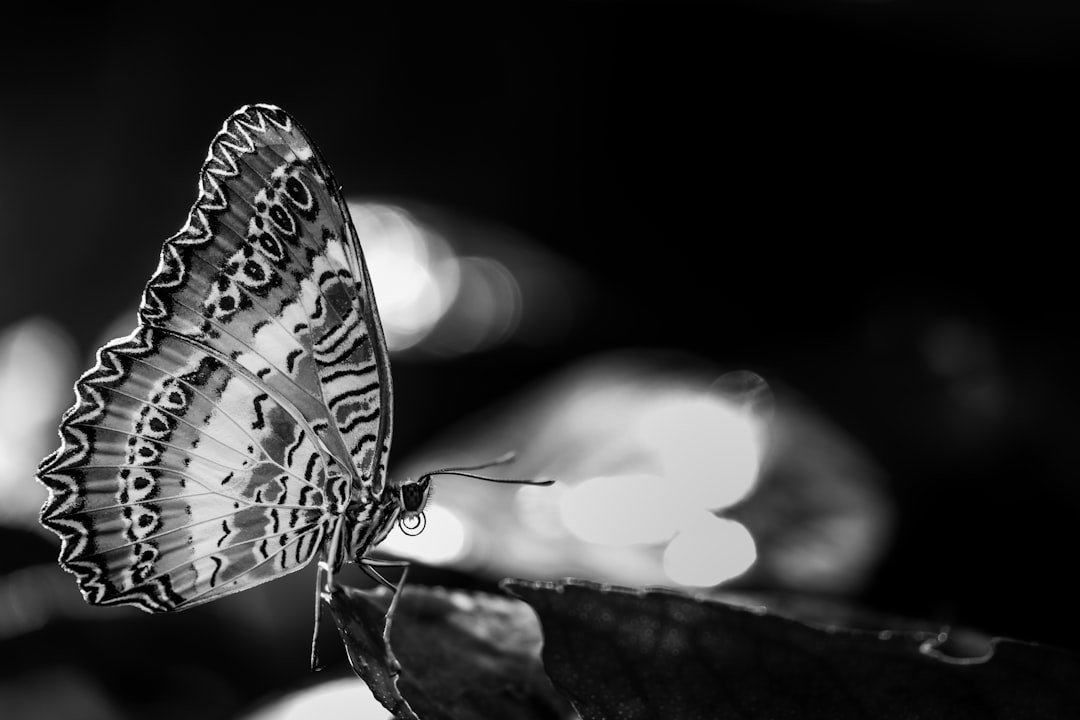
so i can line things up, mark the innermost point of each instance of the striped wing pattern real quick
(219, 445)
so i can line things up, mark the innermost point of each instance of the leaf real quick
(362, 621)
(456, 655)
(622, 653)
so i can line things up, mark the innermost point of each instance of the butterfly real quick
(243, 428)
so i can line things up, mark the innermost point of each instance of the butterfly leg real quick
(320, 585)
(397, 591)
(324, 580)
(368, 565)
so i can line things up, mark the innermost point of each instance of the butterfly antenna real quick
(466, 471)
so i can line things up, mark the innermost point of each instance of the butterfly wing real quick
(217, 446)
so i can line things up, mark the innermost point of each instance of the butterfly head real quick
(368, 520)
(412, 496)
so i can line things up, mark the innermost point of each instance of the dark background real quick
(811, 190)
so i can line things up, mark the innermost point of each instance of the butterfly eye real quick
(414, 496)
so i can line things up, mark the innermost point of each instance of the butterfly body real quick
(243, 428)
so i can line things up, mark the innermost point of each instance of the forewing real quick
(269, 260)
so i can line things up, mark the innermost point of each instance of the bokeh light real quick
(709, 550)
(623, 509)
(413, 270)
(447, 286)
(345, 698)
(443, 541)
(486, 311)
(640, 453)
(650, 451)
(37, 369)
(706, 447)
